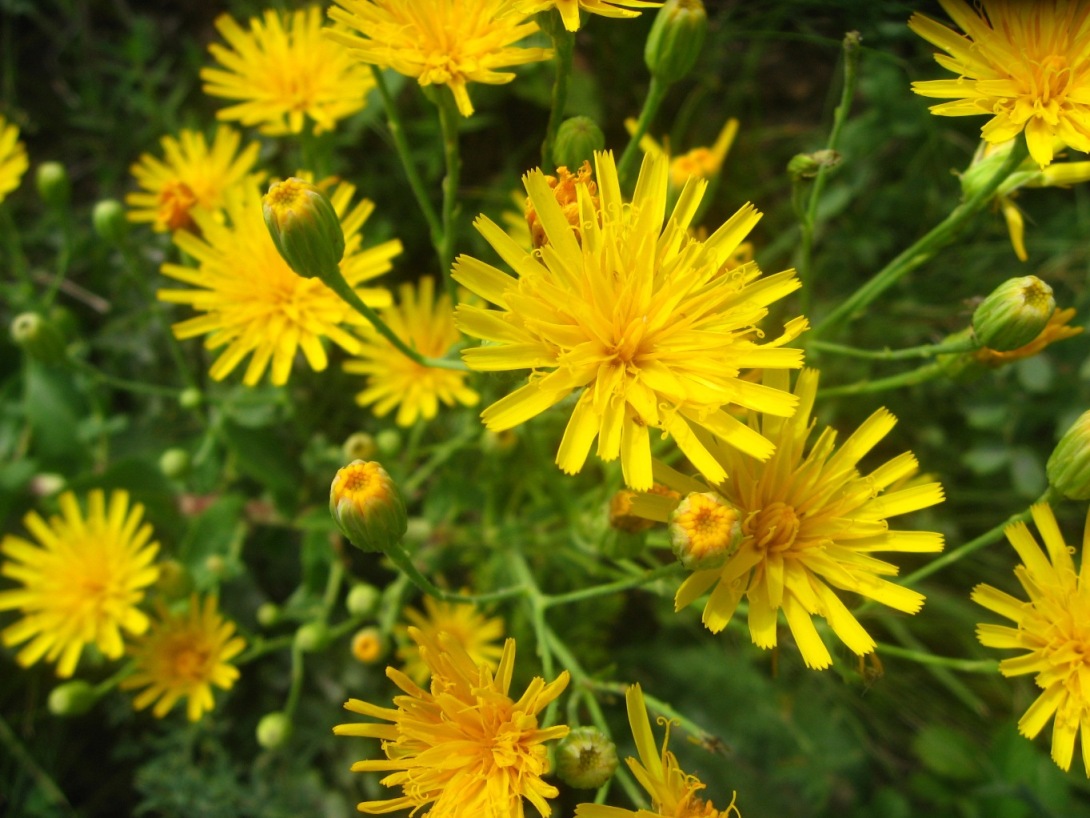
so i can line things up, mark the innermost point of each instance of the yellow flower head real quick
(191, 175)
(701, 162)
(810, 523)
(427, 325)
(673, 791)
(13, 158)
(254, 304)
(466, 747)
(1053, 626)
(1057, 329)
(83, 580)
(569, 9)
(183, 655)
(282, 71)
(1027, 64)
(368, 646)
(440, 42)
(476, 633)
(631, 312)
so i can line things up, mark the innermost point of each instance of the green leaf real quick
(54, 408)
(263, 457)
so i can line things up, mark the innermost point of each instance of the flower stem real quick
(927, 372)
(924, 351)
(550, 600)
(656, 93)
(448, 121)
(400, 557)
(924, 658)
(564, 45)
(127, 385)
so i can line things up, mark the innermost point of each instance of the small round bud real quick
(72, 698)
(53, 185)
(1014, 314)
(216, 565)
(38, 338)
(108, 218)
(368, 645)
(359, 446)
(47, 484)
(388, 442)
(305, 228)
(174, 463)
(273, 730)
(174, 580)
(367, 506)
(1068, 468)
(808, 165)
(704, 530)
(586, 758)
(312, 636)
(577, 139)
(268, 614)
(191, 398)
(676, 37)
(362, 600)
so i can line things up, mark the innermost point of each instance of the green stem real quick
(296, 688)
(924, 351)
(399, 557)
(332, 588)
(924, 249)
(127, 385)
(656, 93)
(940, 671)
(448, 121)
(534, 600)
(261, 647)
(925, 373)
(64, 255)
(13, 246)
(709, 741)
(564, 45)
(47, 788)
(550, 600)
(923, 658)
(442, 453)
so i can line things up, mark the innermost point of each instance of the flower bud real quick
(174, 580)
(108, 218)
(312, 636)
(72, 698)
(359, 446)
(586, 758)
(273, 730)
(305, 228)
(53, 185)
(268, 614)
(1068, 468)
(388, 442)
(577, 139)
(367, 506)
(191, 398)
(676, 37)
(38, 338)
(174, 463)
(368, 645)
(362, 600)
(808, 165)
(704, 530)
(1014, 314)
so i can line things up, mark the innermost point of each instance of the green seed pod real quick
(312, 636)
(676, 37)
(38, 338)
(586, 758)
(362, 600)
(1014, 314)
(108, 218)
(268, 614)
(577, 139)
(305, 228)
(1068, 468)
(367, 506)
(72, 698)
(174, 463)
(274, 730)
(53, 184)
(388, 441)
(704, 530)
(190, 398)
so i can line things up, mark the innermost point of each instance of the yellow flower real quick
(440, 42)
(254, 303)
(466, 747)
(283, 70)
(636, 316)
(393, 379)
(184, 655)
(701, 162)
(1053, 626)
(13, 159)
(1027, 64)
(472, 630)
(673, 791)
(82, 580)
(810, 523)
(191, 176)
(569, 9)
(1056, 329)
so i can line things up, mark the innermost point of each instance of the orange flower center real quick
(565, 189)
(176, 199)
(190, 662)
(773, 528)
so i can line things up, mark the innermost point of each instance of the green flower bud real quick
(704, 530)
(359, 446)
(174, 463)
(108, 218)
(268, 614)
(367, 506)
(174, 580)
(274, 730)
(676, 37)
(388, 441)
(577, 139)
(1068, 468)
(72, 698)
(362, 600)
(586, 758)
(47, 484)
(53, 185)
(305, 228)
(190, 398)
(312, 636)
(38, 338)
(808, 165)
(1014, 314)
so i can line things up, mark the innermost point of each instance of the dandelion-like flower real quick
(1027, 64)
(476, 633)
(13, 158)
(702, 162)
(1053, 626)
(569, 9)
(184, 655)
(466, 747)
(626, 308)
(425, 323)
(673, 791)
(254, 305)
(439, 42)
(190, 175)
(82, 580)
(810, 522)
(283, 71)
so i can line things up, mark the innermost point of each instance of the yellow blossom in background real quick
(569, 9)
(438, 42)
(190, 175)
(673, 791)
(254, 305)
(283, 71)
(701, 162)
(1053, 627)
(477, 634)
(82, 581)
(1026, 64)
(182, 656)
(13, 158)
(426, 324)
(810, 523)
(636, 317)
(465, 747)
(1057, 329)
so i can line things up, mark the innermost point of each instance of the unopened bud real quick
(273, 730)
(38, 338)
(808, 165)
(362, 600)
(108, 218)
(72, 698)
(305, 228)
(367, 506)
(577, 139)
(53, 185)
(359, 446)
(704, 530)
(312, 636)
(586, 758)
(1014, 314)
(388, 442)
(676, 37)
(191, 398)
(1068, 468)
(174, 463)
(268, 614)
(368, 645)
